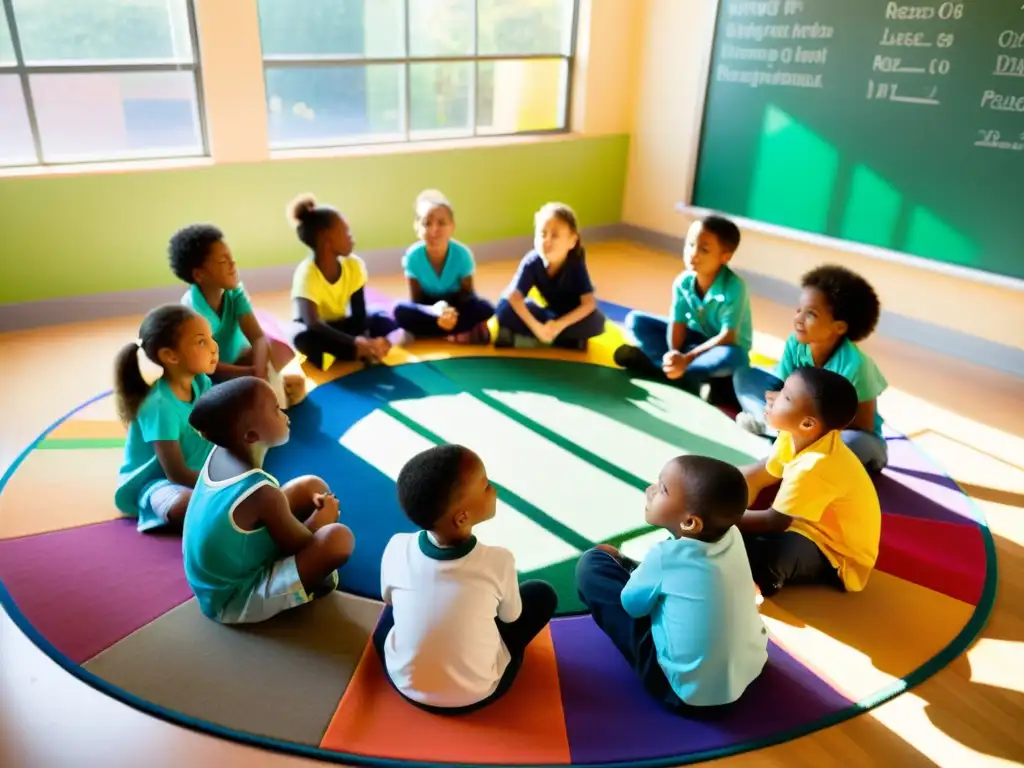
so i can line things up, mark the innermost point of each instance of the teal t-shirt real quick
(162, 416)
(225, 325)
(726, 304)
(458, 264)
(223, 562)
(847, 360)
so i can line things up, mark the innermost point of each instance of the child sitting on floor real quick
(200, 257)
(710, 332)
(557, 268)
(252, 548)
(825, 523)
(457, 622)
(837, 309)
(163, 454)
(440, 275)
(329, 303)
(685, 618)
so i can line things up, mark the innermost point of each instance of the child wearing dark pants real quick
(328, 292)
(538, 601)
(685, 619)
(439, 270)
(825, 522)
(710, 331)
(837, 310)
(454, 633)
(557, 268)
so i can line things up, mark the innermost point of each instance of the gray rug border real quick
(947, 341)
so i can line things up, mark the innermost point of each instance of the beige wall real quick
(671, 60)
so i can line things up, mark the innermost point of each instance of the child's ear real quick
(167, 356)
(692, 525)
(461, 518)
(841, 327)
(727, 256)
(808, 424)
(251, 437)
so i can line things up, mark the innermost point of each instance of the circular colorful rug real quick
(571, 445)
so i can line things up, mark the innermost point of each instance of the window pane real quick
(6, 47)
(440, 97)
(113, 116)
(525, 26)
(356, 28)
(441, 27)
(103, 30)
(321, 106)
(521, 95)
(16, 146)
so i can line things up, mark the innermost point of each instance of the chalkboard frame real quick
(687, 207)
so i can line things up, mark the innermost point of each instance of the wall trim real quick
(26, 315)
(920, 333)
(99, 306)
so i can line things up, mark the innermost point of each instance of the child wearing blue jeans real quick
(253, 548)
(163, 454)
(685, 619)
(439, 271)
(837, 309)
(557, 268)
(710, 332)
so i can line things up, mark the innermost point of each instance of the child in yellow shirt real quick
(825, 522)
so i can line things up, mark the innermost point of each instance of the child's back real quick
(449, 652)
(711, 642)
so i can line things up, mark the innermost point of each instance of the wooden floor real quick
(970, 419)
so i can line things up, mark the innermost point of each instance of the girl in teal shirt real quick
(163, 454)
(838, 308)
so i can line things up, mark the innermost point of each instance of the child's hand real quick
(548, 332)
(674, 364)
(610, 550)
(365, 349)
(448, 319)
(381, 347)
(327, 511)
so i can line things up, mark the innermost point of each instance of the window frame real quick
(24, 72)
(407, 135)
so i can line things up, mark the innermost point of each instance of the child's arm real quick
(466, 289)
(269, 506)
(732, 316)
(521, 285)
(678, 335)
(172, 461)
(804, 495)
(253, 331)
(588, 303)
(416, 291)
(511, 605)
(758, 477)
(764, 521)
(643, 589)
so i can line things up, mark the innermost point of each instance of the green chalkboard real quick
(892, 124)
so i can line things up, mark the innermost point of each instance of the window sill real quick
(355, 150)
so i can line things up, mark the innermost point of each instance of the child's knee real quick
(308, 486)
(337, 542)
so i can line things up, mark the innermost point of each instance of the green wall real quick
(96, 233)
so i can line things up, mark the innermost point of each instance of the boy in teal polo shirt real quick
(838, 308)
(200, 257)
(711, 329)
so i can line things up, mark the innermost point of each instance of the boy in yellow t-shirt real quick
(825, 522)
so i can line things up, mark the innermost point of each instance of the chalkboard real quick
(899, 125)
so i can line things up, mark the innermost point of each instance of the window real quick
(365, 71)
(94, 80)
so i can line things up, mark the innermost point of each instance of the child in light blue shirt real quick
(253, 548)
(685, 618)
(439, 269)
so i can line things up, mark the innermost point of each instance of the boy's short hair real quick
(216, 414)
(428, 483)
(189, 248)
(833, 395)
(716, 492)
(851, 297)
(724, 229)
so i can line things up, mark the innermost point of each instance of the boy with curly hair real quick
(837, 309)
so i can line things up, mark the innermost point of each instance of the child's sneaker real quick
(577, 345)
(479, 334)
(633, 359)
(505, 338)
(751, 423)
(325, 587)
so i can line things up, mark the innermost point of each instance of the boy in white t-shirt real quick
(685, 618)
(456, 622)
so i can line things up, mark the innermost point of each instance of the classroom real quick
(693, 327)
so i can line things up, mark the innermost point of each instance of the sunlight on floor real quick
(998, 663)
